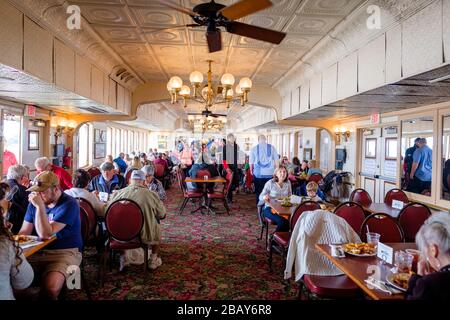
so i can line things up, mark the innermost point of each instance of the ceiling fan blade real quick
(176, 7)
(254, 32)
(243, 8)
(171, 28)
(214, 40)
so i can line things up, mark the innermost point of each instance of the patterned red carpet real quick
(204, 257)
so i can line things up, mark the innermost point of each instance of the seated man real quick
(108, 181)
(81, 180)
(53, 212)
(153, 210)
(313, 227)
(152, 183)
(65, 180)
(121, 162)
(18, 196)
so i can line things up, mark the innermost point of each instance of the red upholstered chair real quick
(161, 175)
(351, 212)
(280, 240)
(92, 217)
(128, 175)
(93, 172)
(411, 218)
(187, 194)
(395, 194)
(383, 224)
(202, 173)
(222, 195)
(361, 197)
(264, 222)
(124, 221)
(328, 287)
(316, 177)
(85, 229)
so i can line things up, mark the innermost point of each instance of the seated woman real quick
(80, 182)
(296, 165)
(278, 186)
(432, 281)
(152, 183)
(15, 271)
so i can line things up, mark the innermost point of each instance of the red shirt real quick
(162, 162)
(9, 159)
(65, 180)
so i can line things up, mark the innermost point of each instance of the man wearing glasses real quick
(52, 212)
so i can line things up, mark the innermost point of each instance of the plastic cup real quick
(416, 257)
(373, 238)
(403, 261)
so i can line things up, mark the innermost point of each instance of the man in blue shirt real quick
(108, 181)
(52, 212)
(121, 163)
(263, 161)
(421, 168)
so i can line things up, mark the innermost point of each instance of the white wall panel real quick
(64, 66)
(295, 103)
(286, 106)
(11, 35)
(304, 97)
(316, 91)
(82, 76)
(38, 51)
(394, 55)
(105, 89)
(422, 40)
(127, 103)
(329, 85)
(446, 29)
(348, 76)
(371, 64)
(120, 98)
(96, 84)
(112, 99)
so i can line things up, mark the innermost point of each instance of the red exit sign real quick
(30, 110)
(375, 118)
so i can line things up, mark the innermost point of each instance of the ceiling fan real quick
(207, 113)
(215, 15)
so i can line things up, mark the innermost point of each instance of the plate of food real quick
(398, 280)
(360, 249)
(285, 201)
(24, 239)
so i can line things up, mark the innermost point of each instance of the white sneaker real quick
(155, 263)
(122, 262)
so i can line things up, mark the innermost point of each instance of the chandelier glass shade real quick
(210, 94)
(204, 124)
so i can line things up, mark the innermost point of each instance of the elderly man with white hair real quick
(152, 183)
(108, 181)
(432, 281)
(17, 176)
(153, 210)
(44, 164)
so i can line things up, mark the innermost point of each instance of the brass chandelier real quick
(210, 94)
(206, 123)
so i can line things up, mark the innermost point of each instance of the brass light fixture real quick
(209, 94)
(206, 123)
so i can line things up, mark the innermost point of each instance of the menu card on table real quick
(385, 253)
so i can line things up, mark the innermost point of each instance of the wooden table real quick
(356, 268)
(383, 208)
(32, 250)
(204, 182)
(277, 208)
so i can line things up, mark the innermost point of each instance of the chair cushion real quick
(282, 238)
(331, 286)
(118, 245)
(215, 195)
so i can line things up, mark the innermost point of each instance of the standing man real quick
(408, 161)
(421, 167)
(263, 161)
(229, 160)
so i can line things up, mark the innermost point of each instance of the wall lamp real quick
(342, 134)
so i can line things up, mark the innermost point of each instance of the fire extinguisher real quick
(67, 159)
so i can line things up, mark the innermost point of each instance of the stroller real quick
(248, 182)
(333, 184)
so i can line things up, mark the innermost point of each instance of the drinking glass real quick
(205, 177)
(416, 257)
(403, 261)
(373, 239)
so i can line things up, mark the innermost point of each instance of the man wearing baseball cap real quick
(153, 210)
(52, 212)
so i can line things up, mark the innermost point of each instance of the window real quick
(130, 141)
(371, 148)
(117, 150)
(391, 149)
(11, 148)
(110, 140)
(83, 146)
